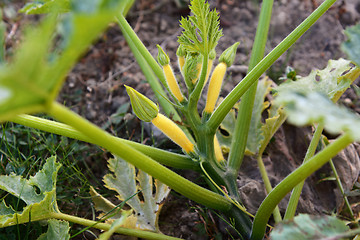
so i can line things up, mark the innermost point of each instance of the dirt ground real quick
(95, 90)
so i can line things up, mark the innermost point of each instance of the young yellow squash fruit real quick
(172, 83)
(172, 131)
(218, 153)
(215, 87)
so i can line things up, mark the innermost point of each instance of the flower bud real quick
(143, 107)
(228, 56)
(162, 58)
(181, 53)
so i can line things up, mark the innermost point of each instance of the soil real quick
(95, 90)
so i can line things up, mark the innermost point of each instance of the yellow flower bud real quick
(218, 153)
(174, 132)
(215, 87)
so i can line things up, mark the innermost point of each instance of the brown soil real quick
(95, 90)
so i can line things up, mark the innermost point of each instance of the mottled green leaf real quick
(307, 227)
(57, 230)
(39, 205)
(313, 107)
(352, 46)
(331, 81)
(126, 183)
(46, 6)
(34, 76)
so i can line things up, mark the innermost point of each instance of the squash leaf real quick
(313, 107)
(126, 182)
(307, 227)
(35, 74)
(57, 229)
(46, 6)
(331, 81)
(352, 46)
(256, 136)
(201, 31)
(39, 205)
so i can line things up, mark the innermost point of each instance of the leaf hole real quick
(224, 132)
(37, 190)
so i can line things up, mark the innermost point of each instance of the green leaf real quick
(331, 81)
(126, 183)
(57, 229)
(201, 31)
(352, 46)
(314, 107)
(276, 118)
(39, 205)
(307, 227)
(255, 131)
(46, 6)
(35, 75)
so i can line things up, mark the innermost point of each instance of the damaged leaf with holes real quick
(127, 181)
(332, 81)
(38, 193)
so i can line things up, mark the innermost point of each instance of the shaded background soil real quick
(95, 90)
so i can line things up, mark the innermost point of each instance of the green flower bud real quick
(181, 52)
(228, 56)
(162, 58)
(143, 107)
(212, 54)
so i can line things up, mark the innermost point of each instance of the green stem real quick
(305, 170)
(161, 156)
(338, 181)
(234, 96)
(242, 126)
(159, 92)
(268, 187)
(195, 95)
(140, 160)
(126, 28)
(295, 194)
(106, 227)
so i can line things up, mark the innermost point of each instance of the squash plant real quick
(31, 81)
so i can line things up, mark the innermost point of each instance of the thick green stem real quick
(268, 187)
(140, 160)
(295, 194)
(106, 227)
(238, 142)
(125, 27)
(159, 155)
(234, 96)
(305, 170)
